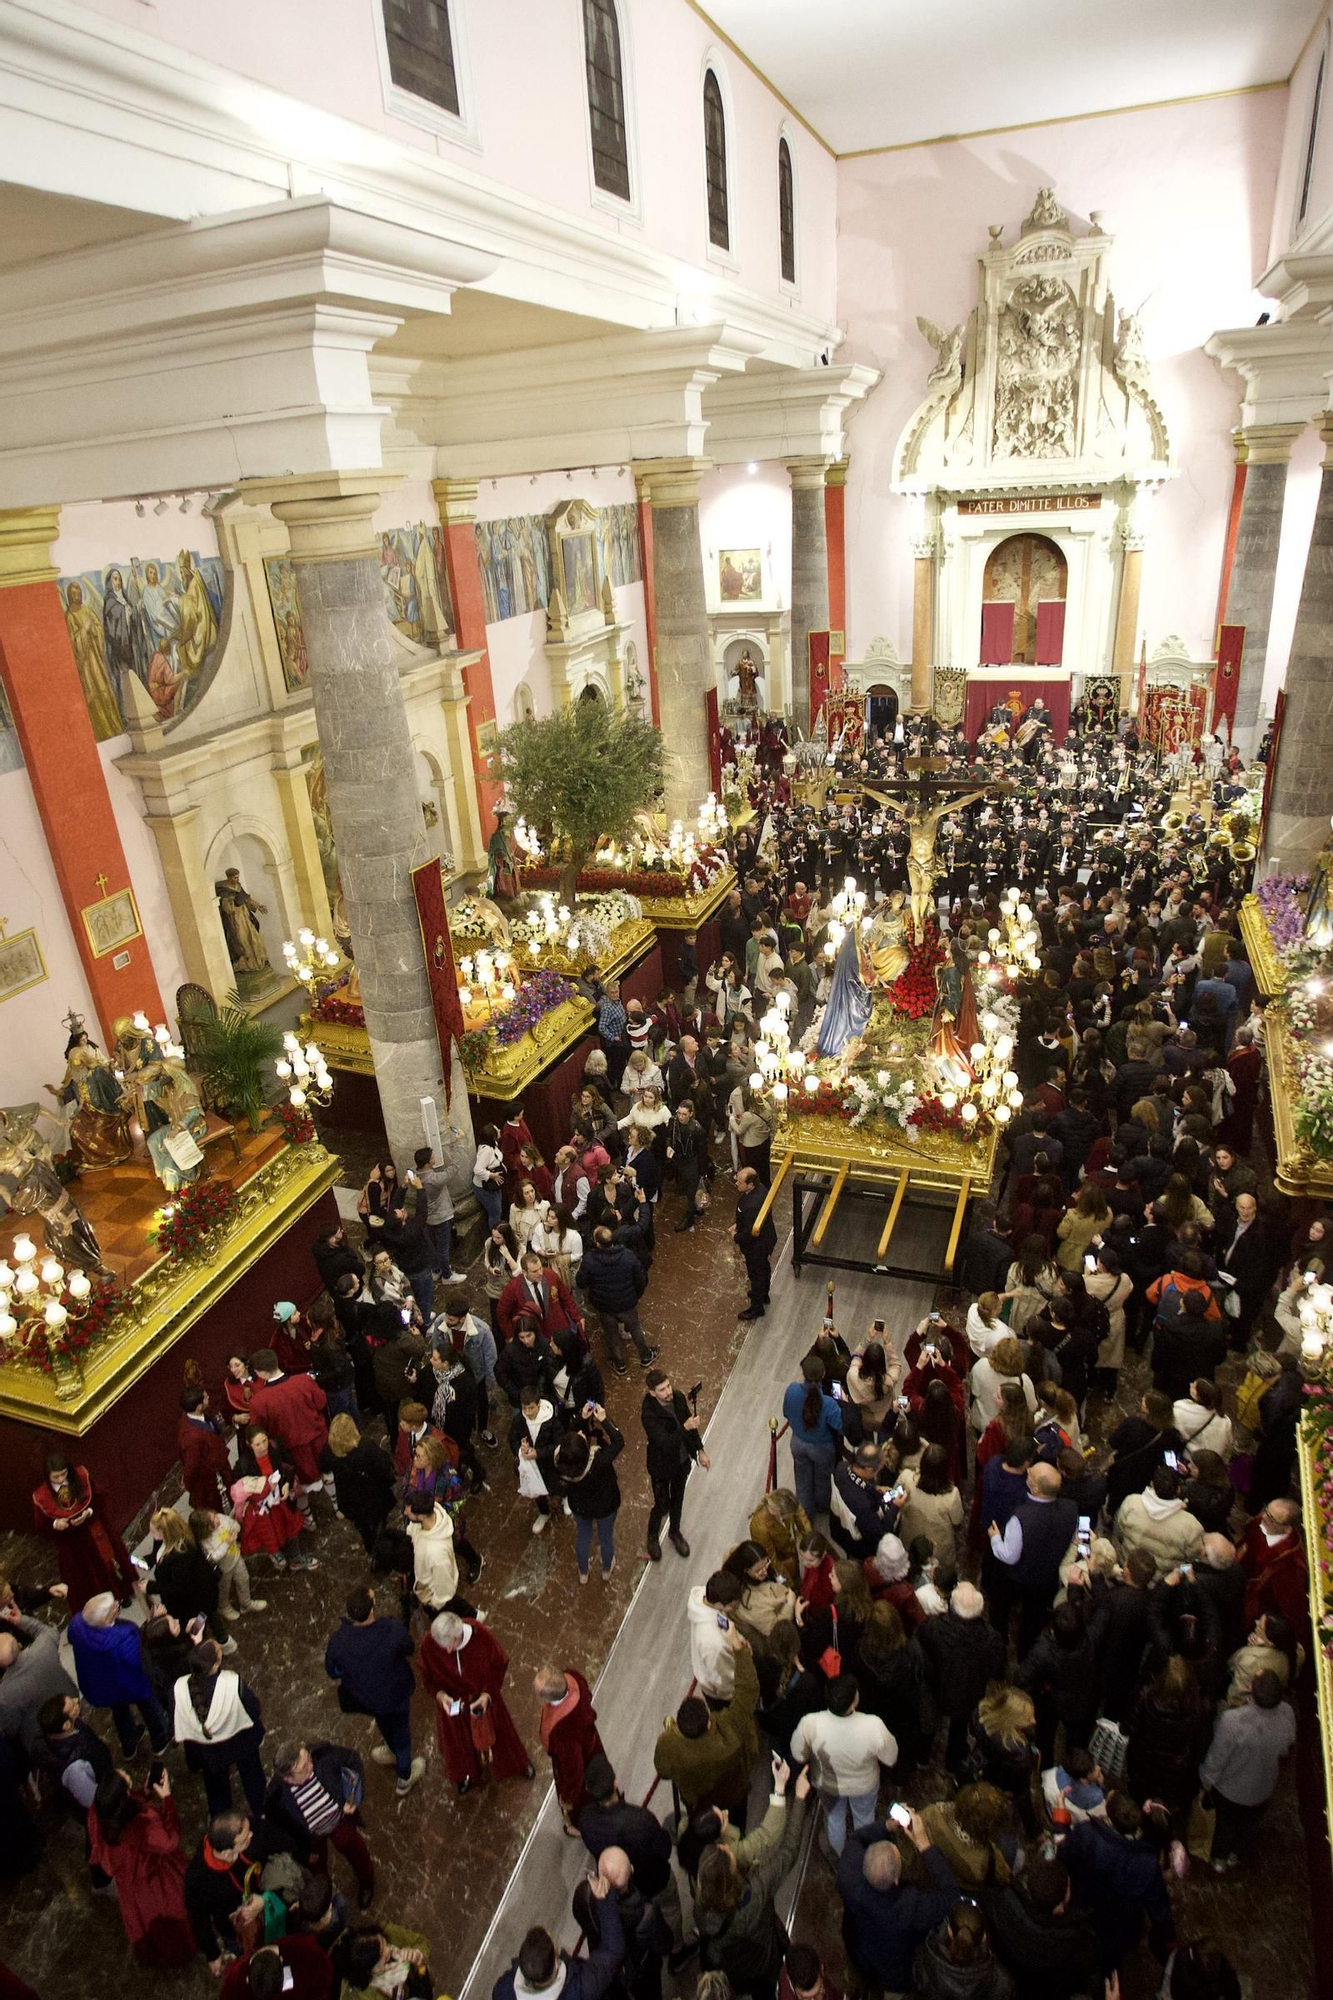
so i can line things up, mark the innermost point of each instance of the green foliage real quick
(583, 772)
(233, 1051)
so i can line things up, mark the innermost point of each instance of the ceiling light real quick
(185, 503)
(140, 509)
(161, 507)
(752, 468)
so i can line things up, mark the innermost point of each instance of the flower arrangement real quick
(1282, 900)
(38, 1345)
(199, 1210)
(328, 1004)
(913, 992)
(654, 876)
(538, 996)
(298, 1127)
(1317, 1426)
(860, 1098)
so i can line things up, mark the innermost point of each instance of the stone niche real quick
(584, 640)
(766, 635)
(1039, 416)
(238, 780)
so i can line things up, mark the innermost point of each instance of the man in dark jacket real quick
(402, 1373)
(1049, 1947)
(314, 1799)
(1186, 1346)
(674, 1445)
(333, 1256)
(964, 1652)
(222, 1881)
(408, 1242)
(368, 1658)
(885, 1919)
(987, 1254)
(613, 1280)
(540, 1972)
(861, 1510)
(609, 1820)
(205, 1461)
(687, 1155)
(1118, 1877)
(1031, 1547)
(755, 1248)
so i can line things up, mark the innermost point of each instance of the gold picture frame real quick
(21, 964)
(488, 747)
(112, 922)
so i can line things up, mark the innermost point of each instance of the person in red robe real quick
(303, 1959)
(90, 1555)
(134, 1837)
(569, 1736)
(514, 1134)
(463, 1666)
(1245, 1067)
(1272, 1555)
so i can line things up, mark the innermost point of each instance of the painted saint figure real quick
(197, 626)
(99, 1126)
(240, 924)
(502, 860)
(89, 647)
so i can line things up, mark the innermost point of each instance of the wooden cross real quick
(101, 884)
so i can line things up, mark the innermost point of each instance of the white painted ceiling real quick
(869, 73)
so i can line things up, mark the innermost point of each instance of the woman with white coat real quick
(1003, 1364)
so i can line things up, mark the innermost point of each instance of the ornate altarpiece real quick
(584, 640)
(1039, 416)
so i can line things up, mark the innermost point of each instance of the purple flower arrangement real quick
(539, 995)
(1282, 900)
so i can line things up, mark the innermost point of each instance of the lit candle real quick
(51, 1271)
(297, 1096)
(24, 1250)
(56, 1315)
(79, 1285)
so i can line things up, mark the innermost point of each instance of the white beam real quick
(784, 413)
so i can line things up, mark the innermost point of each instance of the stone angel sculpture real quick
(947, 374)
(1129, 363)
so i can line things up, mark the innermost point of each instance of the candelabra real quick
(305, 1072)
(848, 907)
(310, 959)
(1315, 1312)
(40, 1292)
(167, 1048)
(489, 971)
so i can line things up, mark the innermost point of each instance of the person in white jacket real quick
(985, 1329)
(1003, 1364)
(1201, 1421)
(1158, 1520)
(713, 1636)
(847, 1751)
(434, 1564)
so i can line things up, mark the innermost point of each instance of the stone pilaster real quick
(809, 574)
(670, 486)
(1302, 800)
(1267, 449)
(372, 791)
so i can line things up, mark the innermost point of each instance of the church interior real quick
(759, 391)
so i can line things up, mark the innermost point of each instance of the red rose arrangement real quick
(914, 992)
(196, 1212)
(298, 1127)
(41, 1345)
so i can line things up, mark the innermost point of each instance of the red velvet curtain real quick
(982, 697)
(997, 633)
(1050, 632)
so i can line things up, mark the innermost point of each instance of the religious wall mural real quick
(416, 582)
(11, 751)
(157, 619)
(515, 561)
(280, 576)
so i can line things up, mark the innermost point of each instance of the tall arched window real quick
(1312, 139)
(421, 50)
(786, 213)
(715, 162)
(606, 97)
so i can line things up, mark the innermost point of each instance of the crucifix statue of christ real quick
(923, 870)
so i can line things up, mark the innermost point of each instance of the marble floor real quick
(473, 1873)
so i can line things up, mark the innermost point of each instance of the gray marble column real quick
(1267, 449)
(683, 647)
(370, 773)
(1302, 798)
(809, 574)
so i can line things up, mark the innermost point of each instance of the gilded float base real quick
(1264, 961)
(1299, 1171)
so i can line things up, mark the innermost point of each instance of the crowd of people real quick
(1068, 1630)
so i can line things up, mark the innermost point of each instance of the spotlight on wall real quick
(185, 503)
(161, 507)
(621, 471)
(140, 509)
(569, 476)
(752, 468)
(532, 479)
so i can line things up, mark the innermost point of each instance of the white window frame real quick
(600, 197)
(728, 258)
(791, 286)
(461, 127)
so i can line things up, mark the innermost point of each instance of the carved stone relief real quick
(1036, 379)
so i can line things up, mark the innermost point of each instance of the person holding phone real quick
(756, 1246)
(815, 1422)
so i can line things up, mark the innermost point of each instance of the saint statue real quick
(165, 1099)
(99, 1126)
(502, 860)
(1319, 902)
(849, 1003)
(885, 945)
(747, 676)
(30, 1185)
(240, 924)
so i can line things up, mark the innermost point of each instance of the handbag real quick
(483, 1733)
(531, 1485)
(1202, 1830)
(1109, 1747)
(830, 1660)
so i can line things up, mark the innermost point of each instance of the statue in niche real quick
(747, 677)
(240, 924)
(99, 1124)
(1036, 372)
(947, 374)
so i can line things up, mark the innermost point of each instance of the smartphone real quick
(938, 1318)
(836, 1388)
(898, 1493)
(1169, 1458)
(878, 1325)
(157, 1771)
(405, 1315)
(723, 1622)
(139, 1564)
(1089, 1263)
(904, 1403)
(288, 1979)
(1187, 1569)
(1085, 1531)
(900, 1816)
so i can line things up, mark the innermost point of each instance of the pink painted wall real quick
(1185, 190)
(523, 71)
(1286, 231)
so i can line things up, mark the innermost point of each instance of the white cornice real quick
(784, 413)
(1286, 367)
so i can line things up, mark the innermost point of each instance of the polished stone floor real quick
(473, 1873)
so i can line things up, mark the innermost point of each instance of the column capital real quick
(328, 515)
(1268, 444)
(26, 535)
(1326, 436)
(456, 499)
(836, 474)
(669, 482)
(807, 473)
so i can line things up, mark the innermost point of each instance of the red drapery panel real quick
(997, 633)
(1050, 632)
(982, 697)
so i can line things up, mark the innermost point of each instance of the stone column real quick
(1267, 449)
(670, 486)
(1127, 613)
(1302, 799)
(835, 529)
(809, 574)
(372, 790)
(923, 622)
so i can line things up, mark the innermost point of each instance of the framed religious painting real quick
(740, 576)
(577, 565)
(112, 922)
(21, 963)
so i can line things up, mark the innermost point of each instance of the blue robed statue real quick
(848, 1008)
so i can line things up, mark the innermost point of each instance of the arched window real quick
(786, 213)
(1312, 139)
(421, 50)
(606, 97)
(715, 162)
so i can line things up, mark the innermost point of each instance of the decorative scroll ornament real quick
(1045, 213)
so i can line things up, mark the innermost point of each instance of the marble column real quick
(372, 790)
(809, 575)
(835, 530)
(1127, 614)
(1267, 449)
(1302, 798)
(670, 487)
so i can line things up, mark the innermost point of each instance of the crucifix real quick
(925, 788)
(100, 880)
